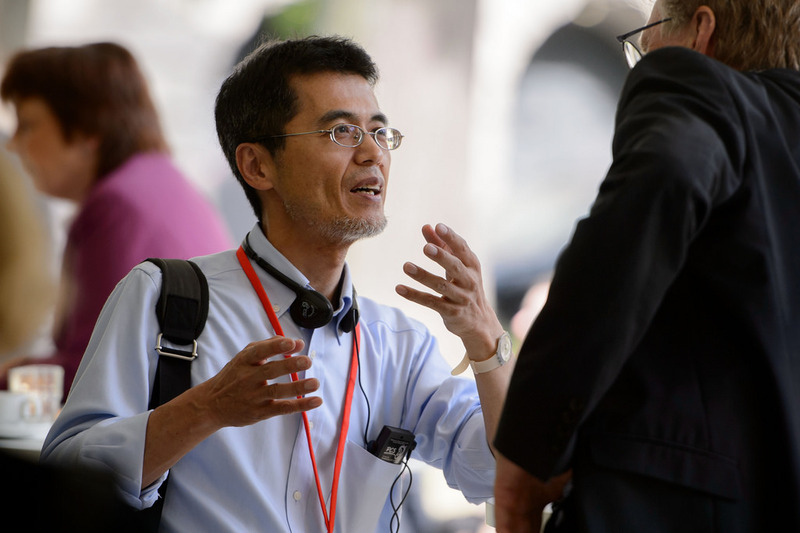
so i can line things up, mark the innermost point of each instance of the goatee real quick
(341, 229)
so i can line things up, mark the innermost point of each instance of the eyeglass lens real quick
(632, 54)
(351, 136)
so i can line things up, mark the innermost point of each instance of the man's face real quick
(331, 193)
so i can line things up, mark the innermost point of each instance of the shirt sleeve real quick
(103, 423)
(447, 418)
(677, 150)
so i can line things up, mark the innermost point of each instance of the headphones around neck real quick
(310, 309)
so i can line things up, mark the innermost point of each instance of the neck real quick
(322, 264)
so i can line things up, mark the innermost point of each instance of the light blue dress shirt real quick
(260, 477)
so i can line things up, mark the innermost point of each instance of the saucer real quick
(24, 430)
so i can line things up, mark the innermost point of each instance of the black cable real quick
(396, 509)
(360, 386)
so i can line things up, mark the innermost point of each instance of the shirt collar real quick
(282, 296)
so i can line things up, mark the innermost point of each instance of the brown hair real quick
(26, 287)
(95, 89)
(749, 34)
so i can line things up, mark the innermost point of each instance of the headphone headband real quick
(310, 309)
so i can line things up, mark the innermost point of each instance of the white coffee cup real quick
(45, 382)
(16, 407)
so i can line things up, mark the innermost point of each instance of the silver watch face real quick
(504, 347)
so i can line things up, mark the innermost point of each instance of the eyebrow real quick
(337, 114)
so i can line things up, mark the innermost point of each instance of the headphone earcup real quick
(310, 309)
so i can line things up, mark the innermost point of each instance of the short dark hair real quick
(257, 99)
(94, 89)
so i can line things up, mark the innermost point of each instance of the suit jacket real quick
(664, 368)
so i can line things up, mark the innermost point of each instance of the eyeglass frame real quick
(364, 133)
(624, 40)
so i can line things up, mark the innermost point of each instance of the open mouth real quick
(367, 189)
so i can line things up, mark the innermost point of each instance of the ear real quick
(704, 22)
(256, 165)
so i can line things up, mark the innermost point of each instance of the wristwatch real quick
(500, 357)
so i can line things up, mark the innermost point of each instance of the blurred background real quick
(507, 108)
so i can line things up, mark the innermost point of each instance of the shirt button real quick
(310, 424)
(312, 354)
(276, 308)
(297, 495)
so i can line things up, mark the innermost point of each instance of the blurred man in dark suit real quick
(664, 369)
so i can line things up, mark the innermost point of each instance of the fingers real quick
(290, 389)
(556, 486)
(458, 295)
(462, 275)
(430, 235)
(288, 407)
(286, 397)
(437, 303)
(449, 290)
(257, 353)
(450, 251)
(256, 385)
(445, 238)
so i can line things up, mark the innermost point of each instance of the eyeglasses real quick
(633, 54)
(350, 136)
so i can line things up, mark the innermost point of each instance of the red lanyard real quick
(351, 381)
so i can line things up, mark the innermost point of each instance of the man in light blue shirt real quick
(255, 443)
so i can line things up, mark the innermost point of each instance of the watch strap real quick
(460, 367)
(481, 367)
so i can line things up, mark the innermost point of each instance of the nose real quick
(369, 153)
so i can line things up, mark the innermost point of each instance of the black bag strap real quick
(182, 310)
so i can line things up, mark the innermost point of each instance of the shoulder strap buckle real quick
(178, 354)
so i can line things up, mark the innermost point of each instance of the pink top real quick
(144, 208)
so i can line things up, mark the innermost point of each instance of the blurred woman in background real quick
(88, 132)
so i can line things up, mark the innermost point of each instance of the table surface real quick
(26, 442)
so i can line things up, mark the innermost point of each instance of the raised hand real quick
(248, 389)
(460, 298)
(239, 395)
